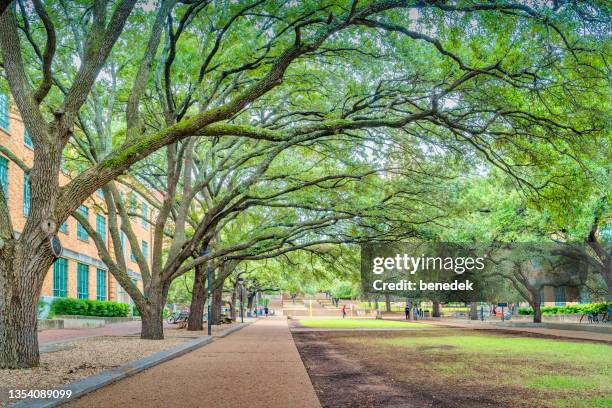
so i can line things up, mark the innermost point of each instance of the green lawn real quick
(361, 324)
(560, 373)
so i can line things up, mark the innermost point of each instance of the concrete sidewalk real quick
(258, 366)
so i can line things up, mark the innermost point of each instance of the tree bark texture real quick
(198, 297)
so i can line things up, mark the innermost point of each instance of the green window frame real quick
(81, 231)
(144, 212)
(60, 277)
(145, 250)
(4, 177)
(101, 226)
(64, 227)
(26, 194)
(100, 284)
(82, 281)
(4, 112)
(560, 296)
(27, 139)
(133, 205)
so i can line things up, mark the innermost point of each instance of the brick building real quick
(79, 273)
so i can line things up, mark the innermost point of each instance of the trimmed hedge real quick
(570, 309)
(86, 307)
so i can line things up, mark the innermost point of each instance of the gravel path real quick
(80, 358)
(258, 366)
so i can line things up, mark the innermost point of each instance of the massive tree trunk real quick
(198, 296)
(152, 313)
(152, 320)
(250, 298)
(233, 302)
(537, 312)
(18, 311)
(473, 311)
(217, 305)
(24, 262)
(436, 309)
(387, 302)
(535, 301)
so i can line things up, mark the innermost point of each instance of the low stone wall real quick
(107, 320)
(83, 323)
(552, 318)
(50, 324)
(72, 323)
(80, 322)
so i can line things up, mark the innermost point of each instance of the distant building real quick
(79, 273)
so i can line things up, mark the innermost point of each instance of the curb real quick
(97, 381)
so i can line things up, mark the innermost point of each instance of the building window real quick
(133, 205)
(145, 250)
(27, 140)
(4, 112)
(101, 284)
(542, 296)
(144, 212)
(101, 226)
(64, 227)
(60, 277)
(132, 255)
(560, 296)
(82, 281)
(100, 193)
(81, 232)
(26, 194)
(4, 177)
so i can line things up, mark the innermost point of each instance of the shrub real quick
(570, 309)
(86, 307)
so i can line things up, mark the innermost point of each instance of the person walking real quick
(407, 312)
(343, 311)
(266, 311)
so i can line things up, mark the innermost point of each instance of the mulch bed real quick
(73, 360)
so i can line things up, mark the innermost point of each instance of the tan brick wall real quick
(14, 141)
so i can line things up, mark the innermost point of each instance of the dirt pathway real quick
(342, 381)
(258, 366)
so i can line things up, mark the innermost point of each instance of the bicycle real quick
(590, 318)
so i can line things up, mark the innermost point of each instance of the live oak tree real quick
(491, 210)
(517, 84)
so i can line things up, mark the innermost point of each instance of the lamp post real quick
(240, 280)
(205, 252)
(481, 307)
